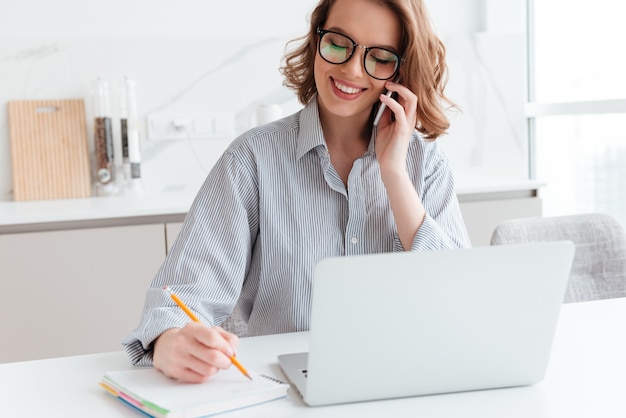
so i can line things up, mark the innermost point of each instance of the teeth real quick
(346, 89)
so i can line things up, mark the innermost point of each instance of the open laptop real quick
(406, 324)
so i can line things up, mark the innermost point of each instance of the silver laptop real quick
(408, 324)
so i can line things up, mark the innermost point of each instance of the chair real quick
(599, 267)
(236, 325)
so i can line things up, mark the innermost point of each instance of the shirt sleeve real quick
(209, 260)
(443, 226)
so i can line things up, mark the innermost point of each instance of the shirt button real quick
(354, 240)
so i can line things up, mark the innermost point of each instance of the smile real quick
(346, 89)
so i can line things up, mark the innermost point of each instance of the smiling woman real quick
(322, 182)
(419, 53)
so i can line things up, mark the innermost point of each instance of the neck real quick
(350, 132)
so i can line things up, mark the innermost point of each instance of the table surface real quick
(586, 378)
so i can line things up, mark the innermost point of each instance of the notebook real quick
(156, 395)
(407, 324)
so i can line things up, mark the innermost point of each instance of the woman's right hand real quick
(194, 353)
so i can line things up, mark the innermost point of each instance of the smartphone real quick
(383, 106)
(381, 109)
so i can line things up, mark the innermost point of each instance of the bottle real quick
(103, 137)
(130, 136)
(124, 131)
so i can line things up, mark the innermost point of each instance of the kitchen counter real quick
(46, 215)
(172, 206)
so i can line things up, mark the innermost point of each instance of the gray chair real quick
(235, 323)
(599, 267)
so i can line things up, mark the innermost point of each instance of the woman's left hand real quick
(392, 140)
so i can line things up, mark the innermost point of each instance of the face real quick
(346, 90)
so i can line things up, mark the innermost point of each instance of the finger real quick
(405, 97)
(214, 346)
(193, 353)
(392, 104)
(210, 337)
(393, 108)
(196, 372)
(232, 339)
(204, 357)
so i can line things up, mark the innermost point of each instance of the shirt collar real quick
(311, 134)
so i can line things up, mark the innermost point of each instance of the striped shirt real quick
(270, 209)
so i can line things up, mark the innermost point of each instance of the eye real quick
(338, 41)
(382, 56)
(337, 47)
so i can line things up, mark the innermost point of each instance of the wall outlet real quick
(198, 125)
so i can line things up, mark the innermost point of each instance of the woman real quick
(322, 182)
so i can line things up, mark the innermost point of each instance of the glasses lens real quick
(335, 48)
(381, 63)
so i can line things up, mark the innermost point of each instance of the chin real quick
(343, 108)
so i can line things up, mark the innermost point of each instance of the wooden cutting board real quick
(49, 149)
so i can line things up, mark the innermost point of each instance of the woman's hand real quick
(392, 140)
(392, 144)
(194, 353)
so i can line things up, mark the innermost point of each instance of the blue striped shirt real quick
(269, 210)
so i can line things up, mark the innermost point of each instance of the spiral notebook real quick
(156, 395)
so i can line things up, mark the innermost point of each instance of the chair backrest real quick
(235, 323)
(599, 268)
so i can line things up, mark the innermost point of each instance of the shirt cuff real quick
(139, 344)
(429, 237)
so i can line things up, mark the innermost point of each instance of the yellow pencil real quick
(195, 319)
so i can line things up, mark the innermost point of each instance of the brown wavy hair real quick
(423, 69)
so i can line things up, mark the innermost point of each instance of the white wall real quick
(197, 55)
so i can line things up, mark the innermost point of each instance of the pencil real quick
(194, 318)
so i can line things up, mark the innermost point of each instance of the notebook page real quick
(228, 387)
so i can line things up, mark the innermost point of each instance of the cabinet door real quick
(75, 291)
(482, 217)
(171, 232)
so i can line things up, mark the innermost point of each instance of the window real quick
(577, 104)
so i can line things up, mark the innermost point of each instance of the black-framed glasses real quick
(337, 48)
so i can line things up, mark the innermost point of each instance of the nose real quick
(354, 66)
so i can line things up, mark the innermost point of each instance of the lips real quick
(346, 91)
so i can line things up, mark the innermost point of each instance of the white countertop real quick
(152, 206)
(475, 184)
(42, 211)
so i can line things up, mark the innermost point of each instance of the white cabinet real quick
(481, 217)
(76, 291)
(488, 201)
(171, 232)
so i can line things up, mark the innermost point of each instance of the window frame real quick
(534, 109)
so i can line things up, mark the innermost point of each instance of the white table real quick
(586, 378)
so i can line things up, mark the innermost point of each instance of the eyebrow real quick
(343, 32)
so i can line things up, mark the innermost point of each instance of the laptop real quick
(407, 324)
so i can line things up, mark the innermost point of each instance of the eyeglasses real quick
(336, 48)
